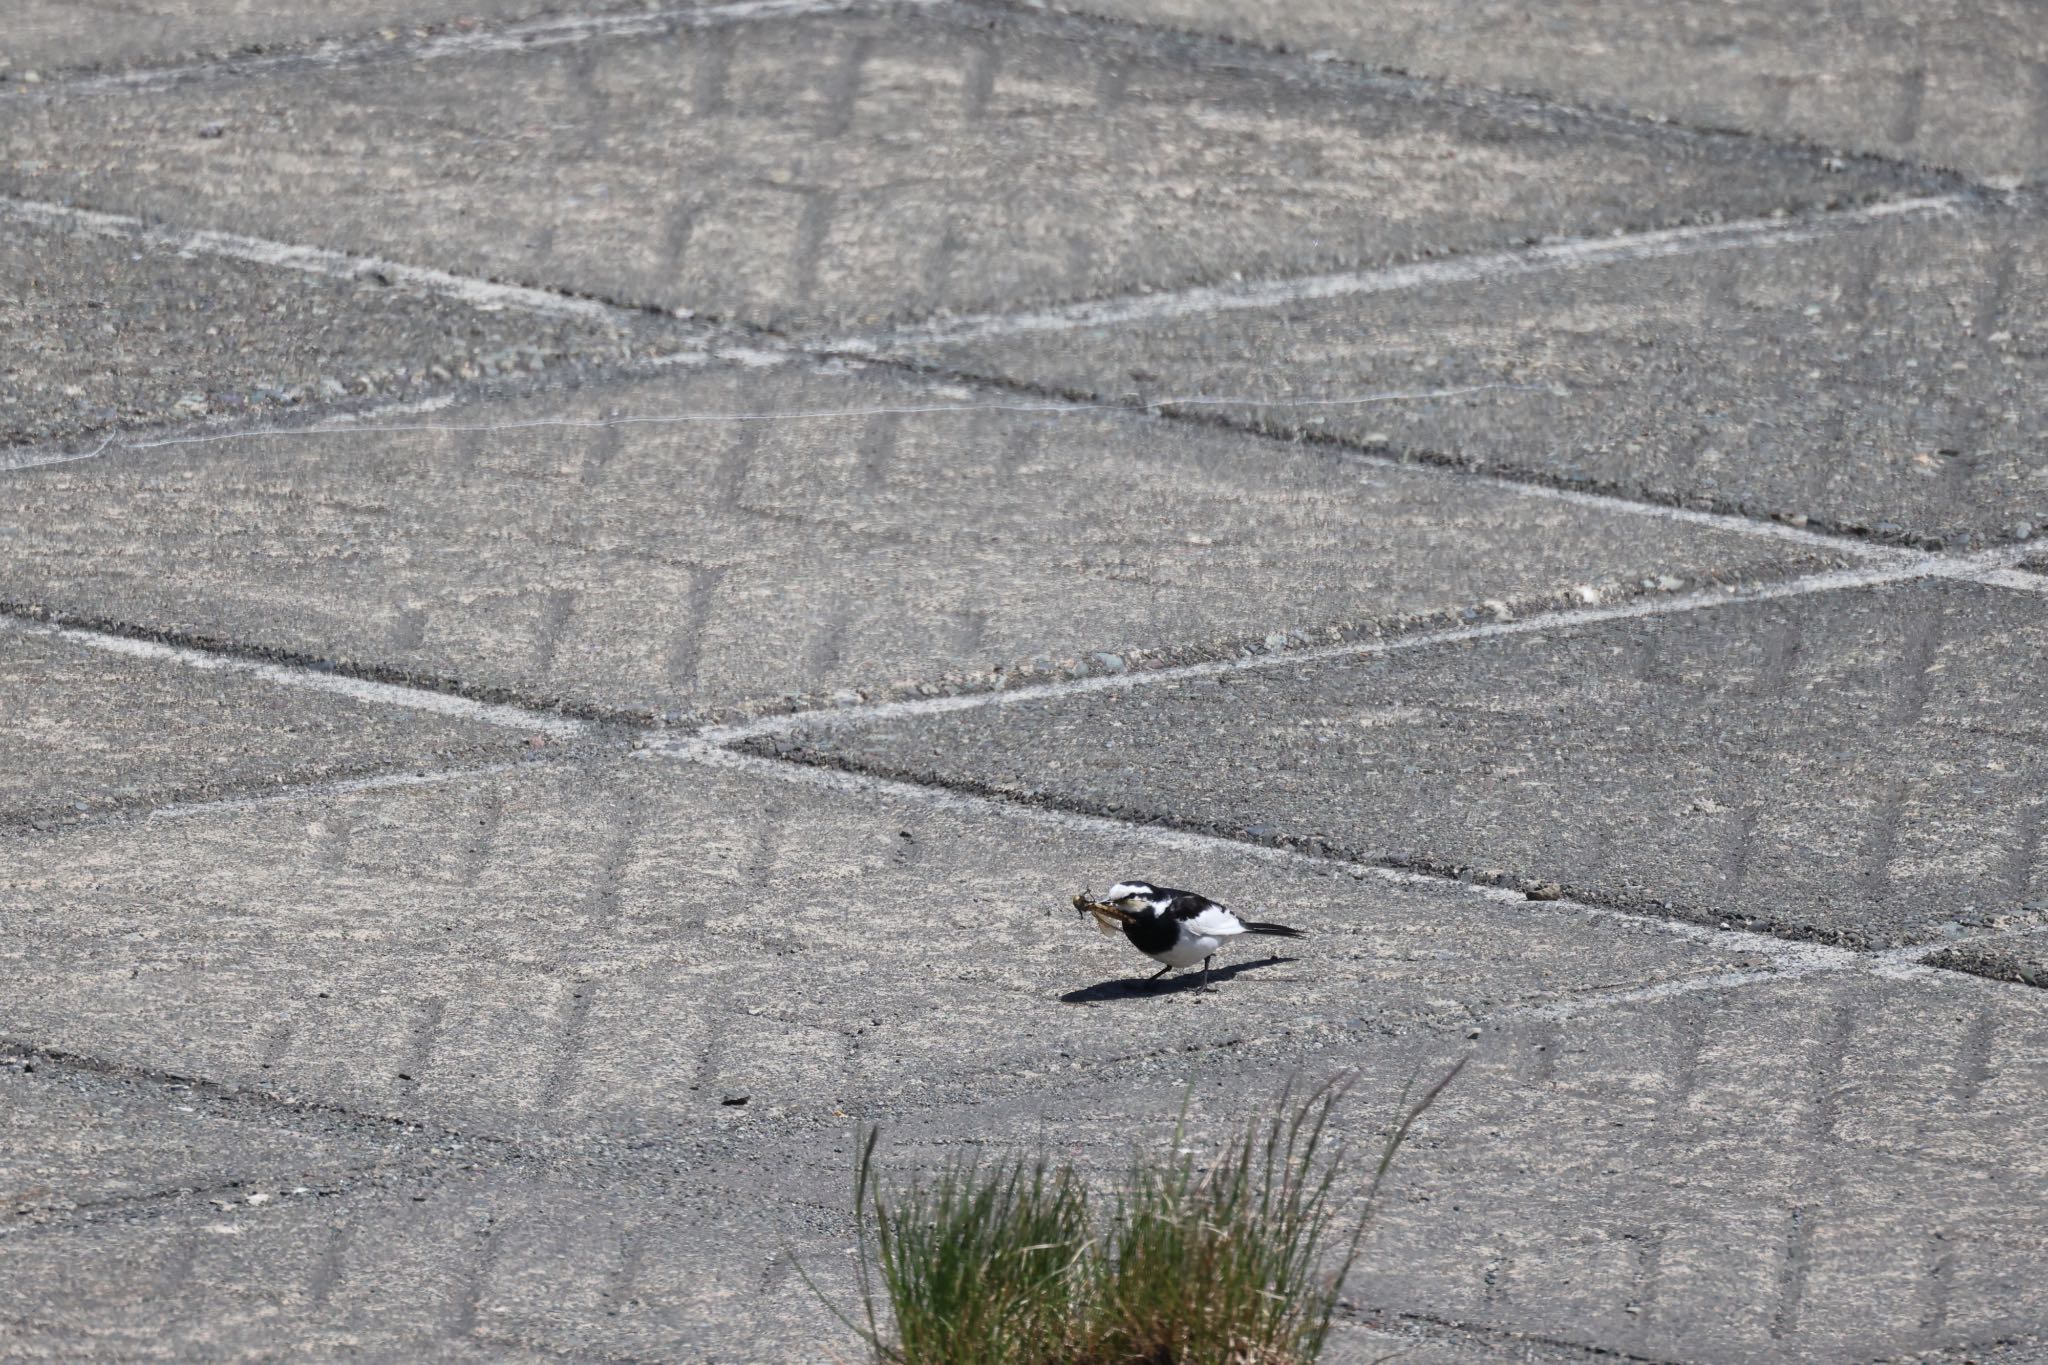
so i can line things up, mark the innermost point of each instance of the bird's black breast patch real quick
(1153, 933)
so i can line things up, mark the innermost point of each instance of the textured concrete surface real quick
(556, 1107)
(850, 169)
(1861, 767)
(74, 1142)
(2019, 957)
(631, 948)
(1665, 1182)
(87, 730)
(101, 333)
(687, 560)
(1884, 378)
(1353, 1344)
(459, 1264)
(477, 1058)
(1948, 83)
(44, 35)
(1860, 1180)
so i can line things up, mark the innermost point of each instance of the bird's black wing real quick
(1186, 904)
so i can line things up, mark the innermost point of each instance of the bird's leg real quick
(1205, 972)
(1133, 985)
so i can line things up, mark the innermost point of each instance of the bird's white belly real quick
(1189, 951)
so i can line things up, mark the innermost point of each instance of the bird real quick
(1176, 928)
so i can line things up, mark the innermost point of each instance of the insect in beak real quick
(1108, 918)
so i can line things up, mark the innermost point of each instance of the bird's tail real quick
(1278, 930)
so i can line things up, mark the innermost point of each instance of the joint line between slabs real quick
(1785, 953)
(1985, 567)
(1891, 567)
(301, 676)
(525, 36)
(1573, 254)
(348, 786)
(1786, 959)
(488, 295)
(2019, 580)
(485, 295)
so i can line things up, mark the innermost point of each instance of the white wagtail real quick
(1178, 928)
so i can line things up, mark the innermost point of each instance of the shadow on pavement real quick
(1137, 988)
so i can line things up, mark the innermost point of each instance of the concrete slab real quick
(2019, 957)
(658, 949)
(848, 169)
(86, 730)
(1413, 1343)
(1883, 378)
(43, 35)
(77, 1144)
(117, 329)
(1949, 83)
(482, 1265)
(741, 539)
(1862, 767)
(1661, 1179)
(1840, 1167)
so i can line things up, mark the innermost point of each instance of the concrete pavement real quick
(579, 586)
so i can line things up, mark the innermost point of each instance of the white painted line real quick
(312, 791)
(311, 680)
(1576, 254)
(475, 293)
(1897, 567)
(521, 37)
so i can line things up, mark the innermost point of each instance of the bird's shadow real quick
(1129, 988)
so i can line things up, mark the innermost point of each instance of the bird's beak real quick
(1108, 916)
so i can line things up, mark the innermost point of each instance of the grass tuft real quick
(1238, 1262)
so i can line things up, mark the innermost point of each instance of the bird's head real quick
(1122, 904)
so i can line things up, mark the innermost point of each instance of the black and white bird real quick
(1177, 928)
